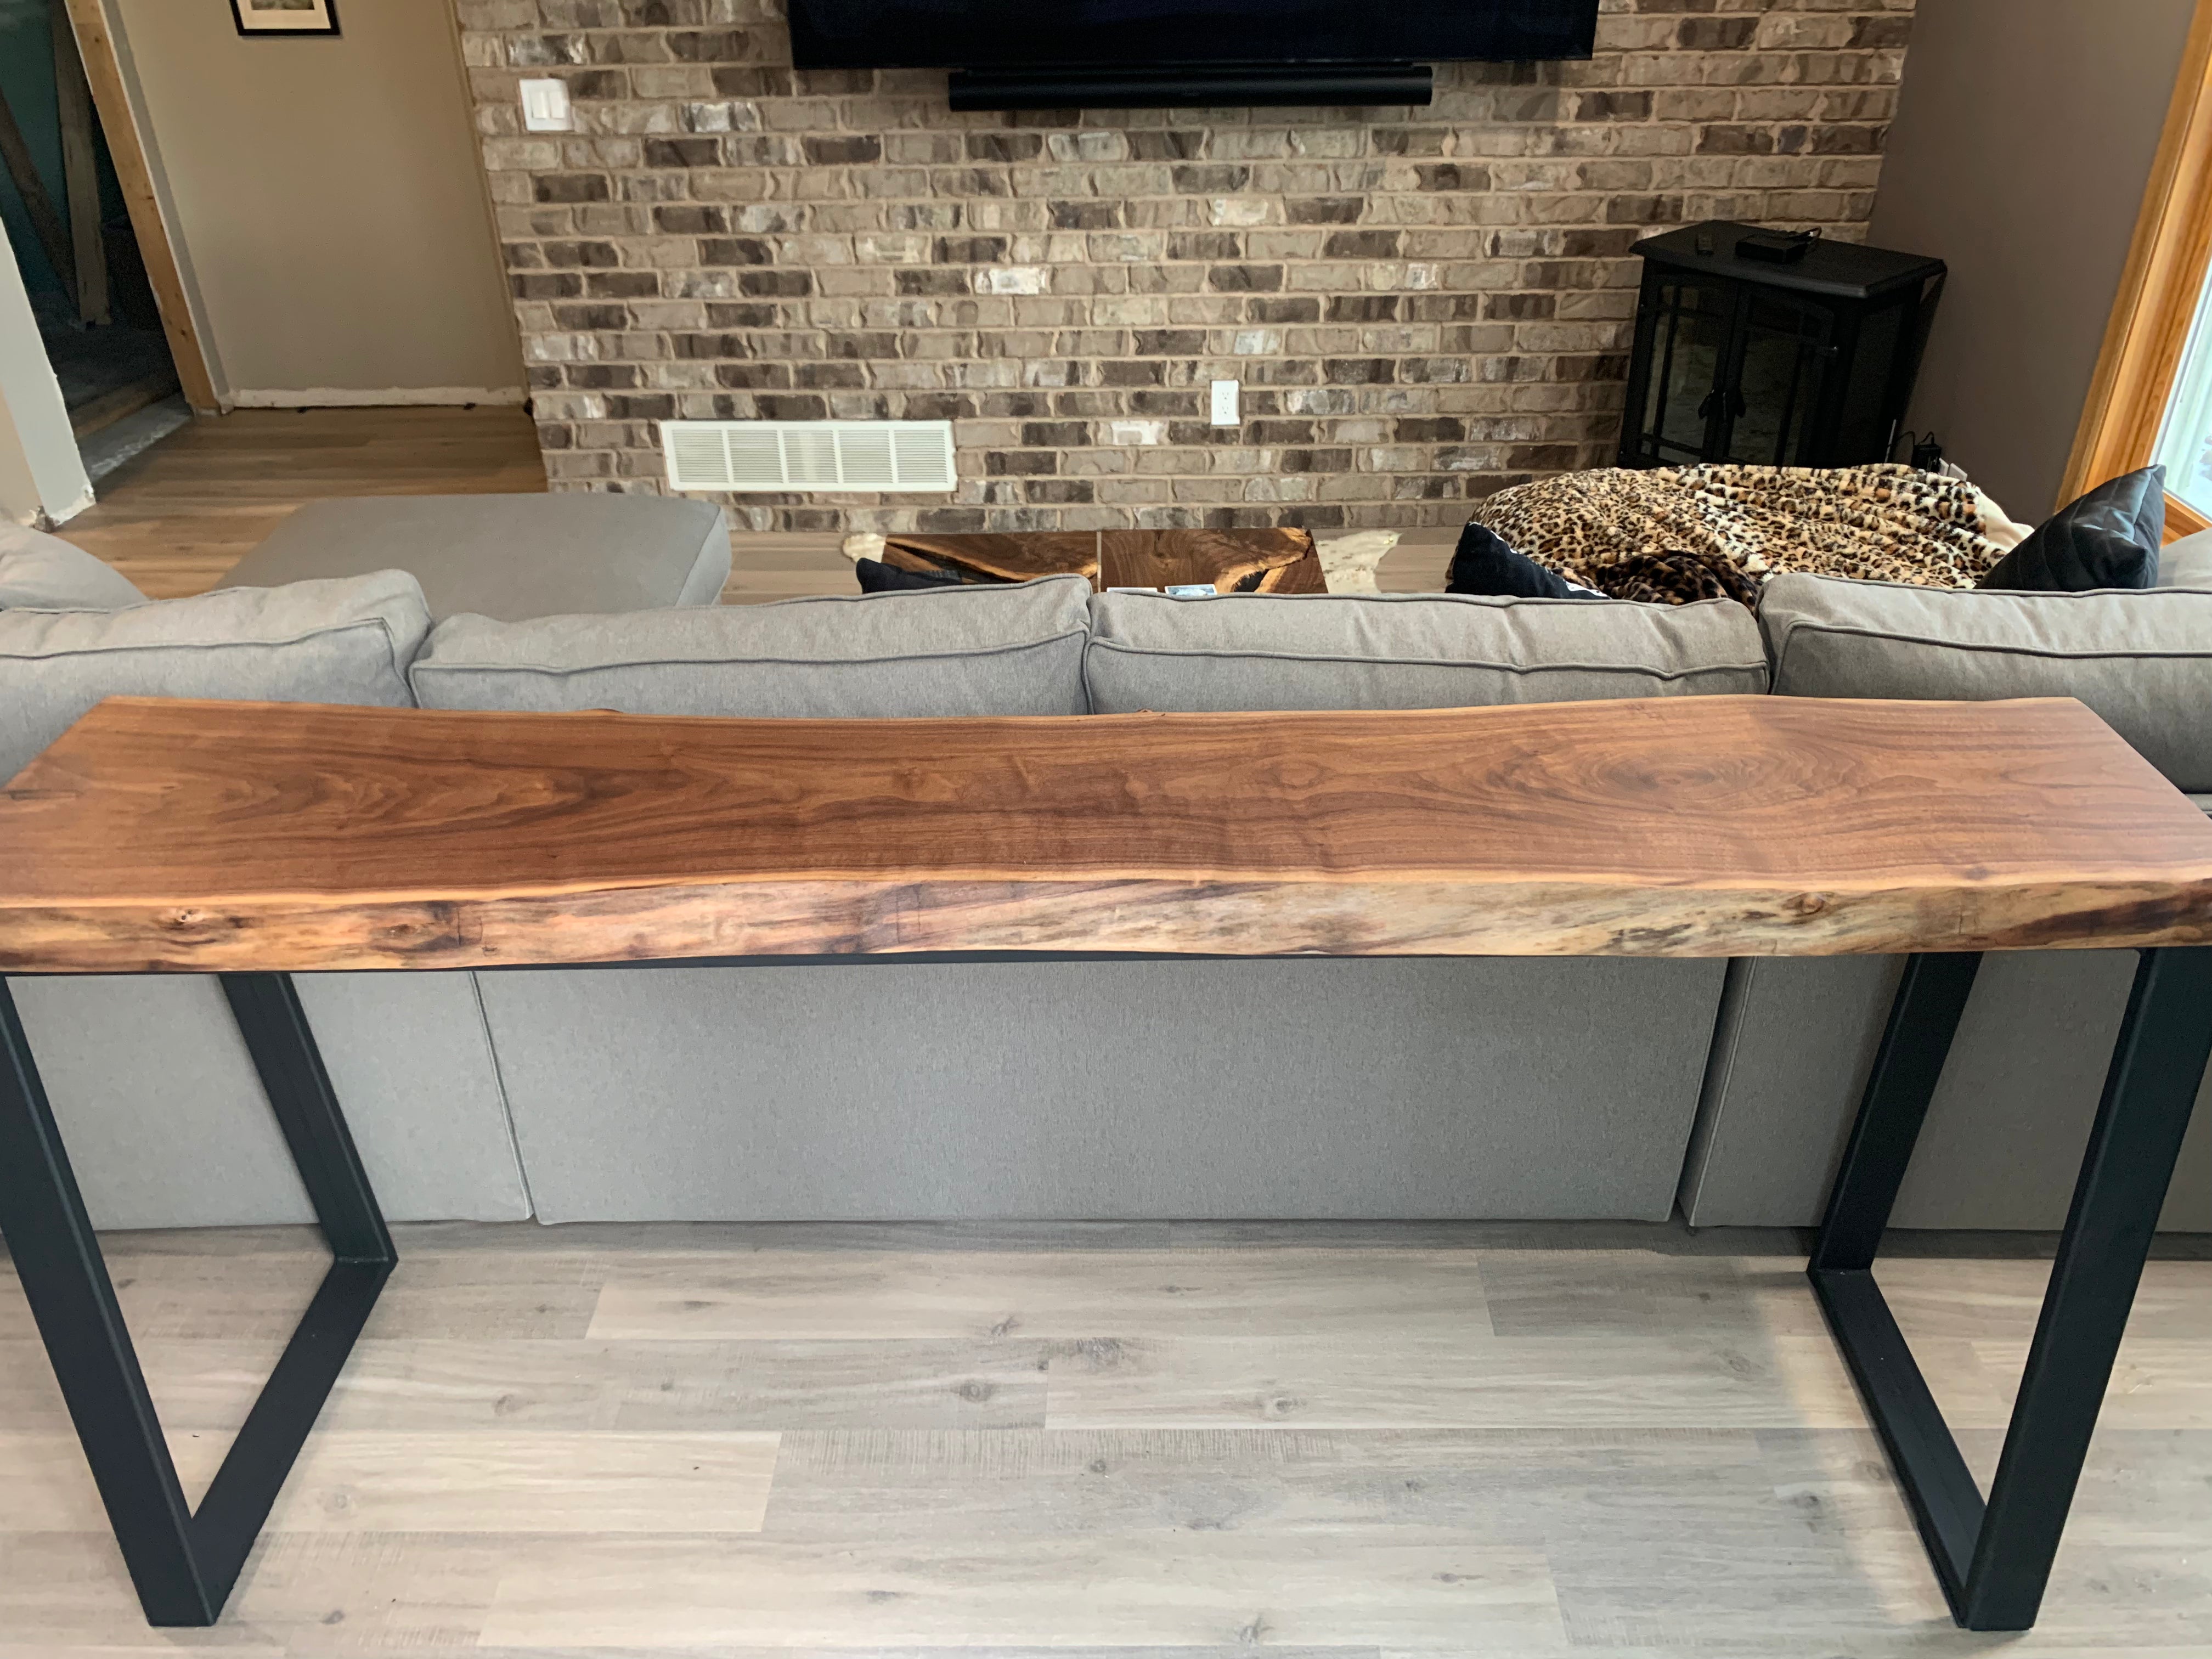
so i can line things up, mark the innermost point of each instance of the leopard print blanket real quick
(1677, 533)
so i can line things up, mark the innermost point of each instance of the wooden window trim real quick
(2158, 289)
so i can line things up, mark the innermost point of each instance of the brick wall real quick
(1424, 305)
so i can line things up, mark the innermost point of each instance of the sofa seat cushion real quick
(2142, 658)
(327, 641)
(40, 572)
(1407, 650)
(510, 556)
(969, 650)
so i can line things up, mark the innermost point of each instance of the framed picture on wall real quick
(286, 16)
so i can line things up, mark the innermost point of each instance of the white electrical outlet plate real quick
(1224, 403)
(545, 106)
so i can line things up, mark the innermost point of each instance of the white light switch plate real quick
(545, 106)
(1224, 403)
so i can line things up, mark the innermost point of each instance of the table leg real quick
(1994, 1559)
(184, 1563)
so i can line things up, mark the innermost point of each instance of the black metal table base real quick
(182, 1562)
(1993, 1559)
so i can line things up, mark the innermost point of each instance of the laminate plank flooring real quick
(1074, 1296)
(176, 518)
(1124, 1442)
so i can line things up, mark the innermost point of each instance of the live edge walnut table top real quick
(214, 835)
(1239, 561)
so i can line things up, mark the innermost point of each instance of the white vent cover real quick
(906, 456)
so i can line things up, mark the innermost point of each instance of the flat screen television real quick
(987, 34)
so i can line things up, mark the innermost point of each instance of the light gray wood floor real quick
(1151, 1442)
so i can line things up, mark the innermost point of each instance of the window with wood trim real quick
(2151, 398)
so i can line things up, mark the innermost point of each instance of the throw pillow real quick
(876, 577)
(1482, 563)
(39, 572)
(2109, 538)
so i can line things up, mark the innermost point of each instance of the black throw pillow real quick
(2109, 538)
(876, 577)
(1482, 563)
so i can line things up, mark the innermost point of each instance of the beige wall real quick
(2024, 133)
(326, 194)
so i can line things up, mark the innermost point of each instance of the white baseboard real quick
(49, 519)
(335, 396)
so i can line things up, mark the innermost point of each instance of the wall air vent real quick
(908, 457)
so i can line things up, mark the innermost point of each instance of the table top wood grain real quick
(160, 834)
(1242, 561)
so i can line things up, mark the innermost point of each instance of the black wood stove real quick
(1802, 358)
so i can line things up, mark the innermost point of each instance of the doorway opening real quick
(69, 225)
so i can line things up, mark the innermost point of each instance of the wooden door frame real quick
(2158, 289)
(103, 70)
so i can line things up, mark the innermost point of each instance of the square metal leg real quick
(184, 1563)
(1994, 1558)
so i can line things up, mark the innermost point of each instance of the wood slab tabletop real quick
(1234, 561)
(1002, 555)
(1245, 561)
(204, 836)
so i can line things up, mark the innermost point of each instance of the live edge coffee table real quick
(1229, 560)
(256, 841)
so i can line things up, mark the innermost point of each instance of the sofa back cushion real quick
(39, 572)
(1408, 651)
(333, 642)
(981, 650)
(2140, 659)
(2187, 562)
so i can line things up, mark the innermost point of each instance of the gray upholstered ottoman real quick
(510, 556)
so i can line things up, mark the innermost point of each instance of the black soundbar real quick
(1215, 86)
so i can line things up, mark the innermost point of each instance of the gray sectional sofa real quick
(1487, 1088)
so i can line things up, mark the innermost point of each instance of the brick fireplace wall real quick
(1424, 305)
